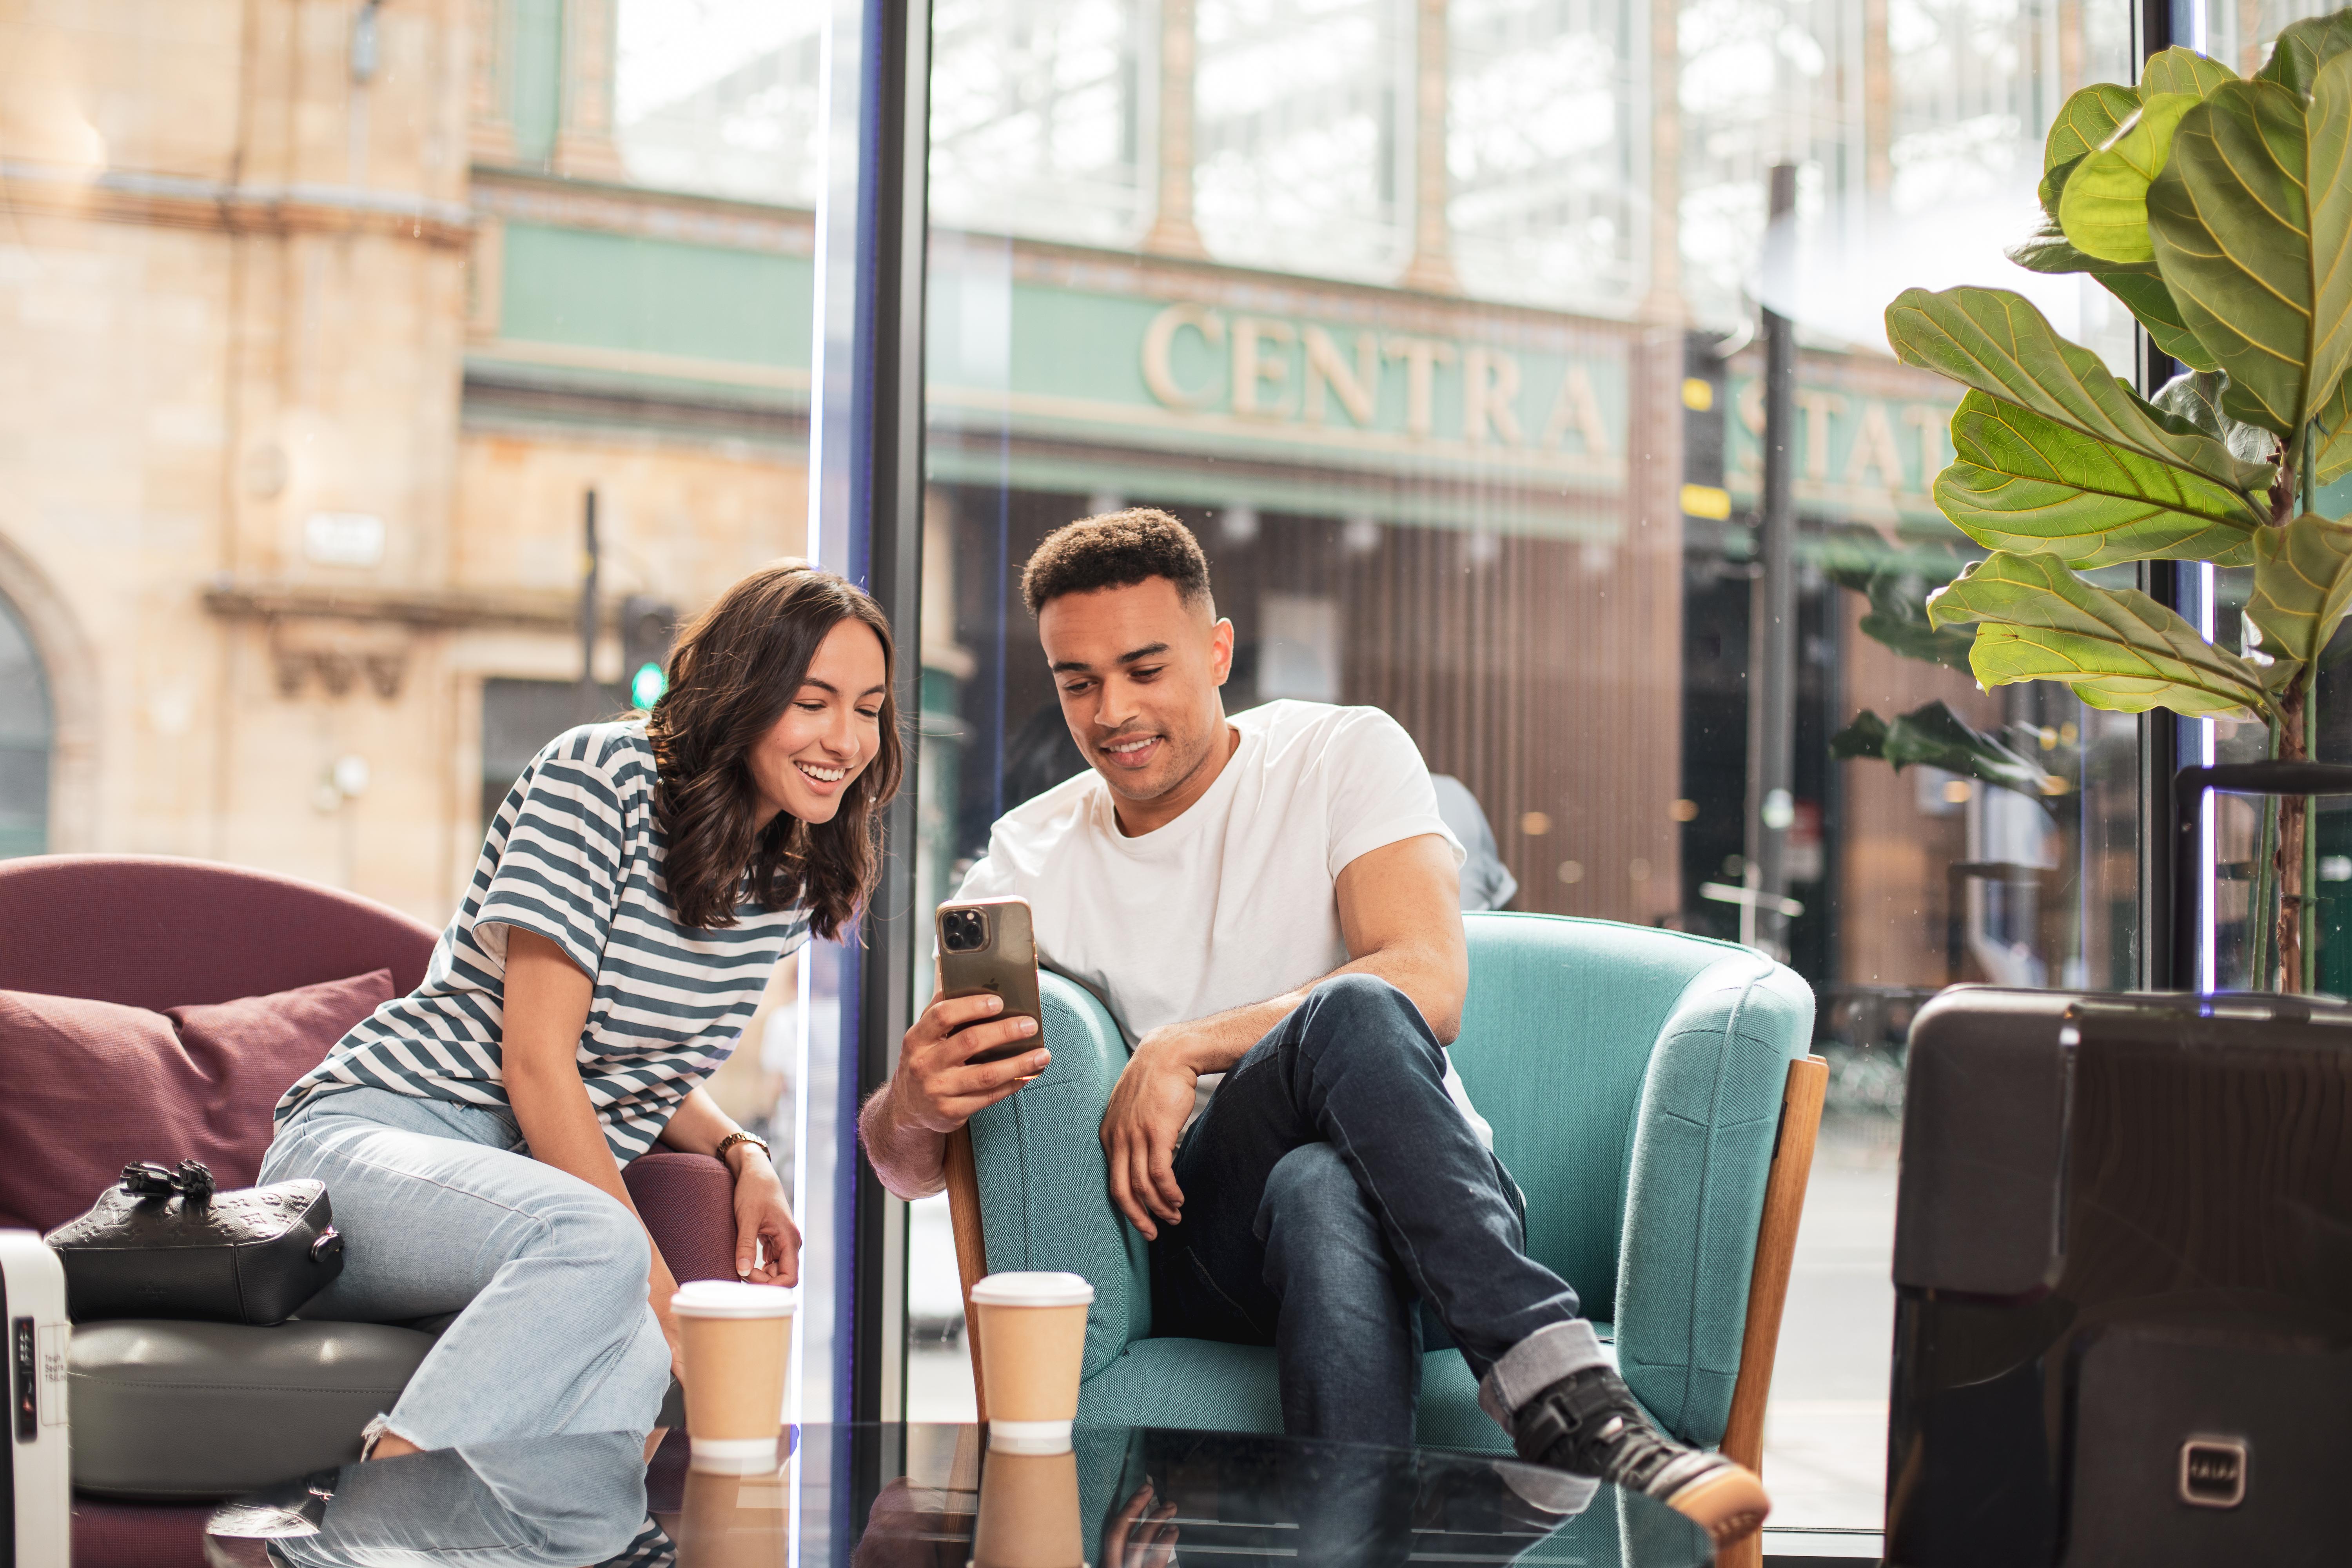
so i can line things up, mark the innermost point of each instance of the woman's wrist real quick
(739, 1148)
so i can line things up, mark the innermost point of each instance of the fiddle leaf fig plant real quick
(2218, 211)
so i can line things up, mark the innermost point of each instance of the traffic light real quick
(1705, 431)
(647, 625)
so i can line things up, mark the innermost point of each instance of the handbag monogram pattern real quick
(164, 1243)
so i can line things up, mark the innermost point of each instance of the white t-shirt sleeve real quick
(560, 874)
(1380, 789)
(985, 879)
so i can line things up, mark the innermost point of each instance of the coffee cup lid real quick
(1036, 1289)
(734, 1298)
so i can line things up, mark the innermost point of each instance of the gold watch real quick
(739, 1136)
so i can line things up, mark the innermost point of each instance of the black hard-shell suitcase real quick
(38, 1478)
(2123, 1269)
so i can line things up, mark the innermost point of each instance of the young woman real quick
(638, 886)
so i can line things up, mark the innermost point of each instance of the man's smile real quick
(1131, 750)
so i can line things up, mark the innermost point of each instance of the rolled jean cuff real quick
(1535, 1364)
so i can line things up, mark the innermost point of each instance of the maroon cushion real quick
(93, 1086)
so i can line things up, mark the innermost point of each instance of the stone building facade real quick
(325, 317)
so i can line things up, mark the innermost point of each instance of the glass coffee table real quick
(936, 1497)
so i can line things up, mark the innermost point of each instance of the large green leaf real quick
(2104, 206)
(1995, 342)
(2302, 48)
(2119, 649)
(2177, 69)
(2152, 305)
(2333, 458)
(2331, 226)
(2251, 220)
(2027, 484)
(2138, 284)
(2196, 397)
(2303, 586)
(2087, 118)
(1934, 736)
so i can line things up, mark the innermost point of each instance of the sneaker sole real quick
(1729, 1504)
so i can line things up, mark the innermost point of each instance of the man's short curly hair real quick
(1117, 550)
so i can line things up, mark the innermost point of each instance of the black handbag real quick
(163, 1244)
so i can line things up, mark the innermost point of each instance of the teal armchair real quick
(1636, 1080)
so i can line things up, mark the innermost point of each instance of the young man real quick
(1267, 903)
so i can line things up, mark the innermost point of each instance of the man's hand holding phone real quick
(938, 1086)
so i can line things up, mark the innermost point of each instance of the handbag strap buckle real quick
(146, 1179)
(193, 1180)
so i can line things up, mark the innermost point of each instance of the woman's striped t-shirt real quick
(575, 856)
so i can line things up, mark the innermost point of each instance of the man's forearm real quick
(1216, 1042)
(910, 1159)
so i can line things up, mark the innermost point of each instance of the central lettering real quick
(1269, 371)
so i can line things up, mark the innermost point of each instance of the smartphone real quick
(986, 944)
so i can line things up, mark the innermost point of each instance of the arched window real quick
(26, 728)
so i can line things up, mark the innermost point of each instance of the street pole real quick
(1772, 613)
(592, 562)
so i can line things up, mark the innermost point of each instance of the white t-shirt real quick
(1233, 901)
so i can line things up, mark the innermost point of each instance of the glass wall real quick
(1438, 324)
(1434, 317)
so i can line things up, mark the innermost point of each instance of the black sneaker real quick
(1588, 1424)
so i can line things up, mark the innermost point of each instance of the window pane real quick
(1304, 133)
(719, 96)
(1547, 148)
(1037, 116)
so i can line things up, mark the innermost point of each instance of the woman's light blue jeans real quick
(442, 1211)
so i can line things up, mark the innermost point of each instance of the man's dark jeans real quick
(1331, 1183)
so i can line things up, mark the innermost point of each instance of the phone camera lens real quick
(967, 931)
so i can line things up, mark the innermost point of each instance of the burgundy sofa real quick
(153, 932)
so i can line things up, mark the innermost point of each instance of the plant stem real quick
(2308, 907)
(2303, 446)
(2261, 912)
(2288, 860)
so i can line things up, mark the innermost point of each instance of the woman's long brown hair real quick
(735, 668)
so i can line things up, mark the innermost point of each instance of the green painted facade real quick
(1524, 429)
(639, 297)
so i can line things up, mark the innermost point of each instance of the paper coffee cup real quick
(738, 1341)
(1029, 1513)
(1032, 1344)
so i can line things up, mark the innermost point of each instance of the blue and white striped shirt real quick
(575, 856)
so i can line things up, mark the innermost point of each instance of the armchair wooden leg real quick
(971, 1245)
(1768, 1284)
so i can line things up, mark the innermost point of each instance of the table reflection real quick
(935, 1497)
(558, 1502)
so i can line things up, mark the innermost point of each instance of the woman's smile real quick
(822, 778)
